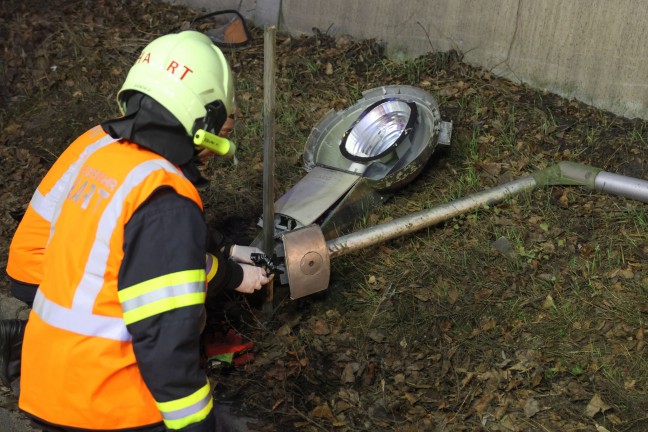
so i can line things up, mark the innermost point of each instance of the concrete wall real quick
(595, 51)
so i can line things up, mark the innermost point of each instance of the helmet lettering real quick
(146, 59)
(191, 63)
(174, 65)
(187, 70)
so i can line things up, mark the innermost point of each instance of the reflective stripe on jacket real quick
(25, 261)
(79, 368)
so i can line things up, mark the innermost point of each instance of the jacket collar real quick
(150, 125)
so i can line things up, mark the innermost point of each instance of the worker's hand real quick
(242, 254)
(204, 155)
(253, 279)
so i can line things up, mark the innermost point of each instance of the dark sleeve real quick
(228, 276)
(23, 291)
(166, 236)
(216, 243)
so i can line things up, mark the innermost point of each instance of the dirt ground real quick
(442, 330)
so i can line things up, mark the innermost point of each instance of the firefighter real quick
(115, 239)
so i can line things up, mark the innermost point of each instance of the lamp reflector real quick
(378, 130)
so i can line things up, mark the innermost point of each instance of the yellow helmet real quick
(189, 76)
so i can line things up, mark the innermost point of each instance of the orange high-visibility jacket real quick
(25, 261)
(78, 365)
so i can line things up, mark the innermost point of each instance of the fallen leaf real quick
(284, 330)
(376, 335)
(595, 406)
(453, 296)
(277, 372)
(341, 406)
(321, 327)
(549, 302)
(623, 273)
(493, 169)
(482, 404)
(614, 419)
(424, 295)
(504, 246)
(483, 294)
(546, 277)
(348, 375)
(626, 273)
(411, 398)
(531, 407)
(488, 325)
(322, 411)
(467, 379)
(369, 374)
(500, 411)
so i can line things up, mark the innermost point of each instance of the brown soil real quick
(436, 331)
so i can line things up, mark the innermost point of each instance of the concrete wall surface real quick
(595, 51)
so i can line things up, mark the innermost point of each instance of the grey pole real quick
(425, 218)
(563, 173)
(268, 152)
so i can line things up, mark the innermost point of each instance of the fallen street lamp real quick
(355, 159)
(307, 253)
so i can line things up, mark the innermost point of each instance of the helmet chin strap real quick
(215, 117)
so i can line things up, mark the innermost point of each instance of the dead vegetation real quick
(528, 316)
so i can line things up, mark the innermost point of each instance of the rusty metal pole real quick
(268, 154)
